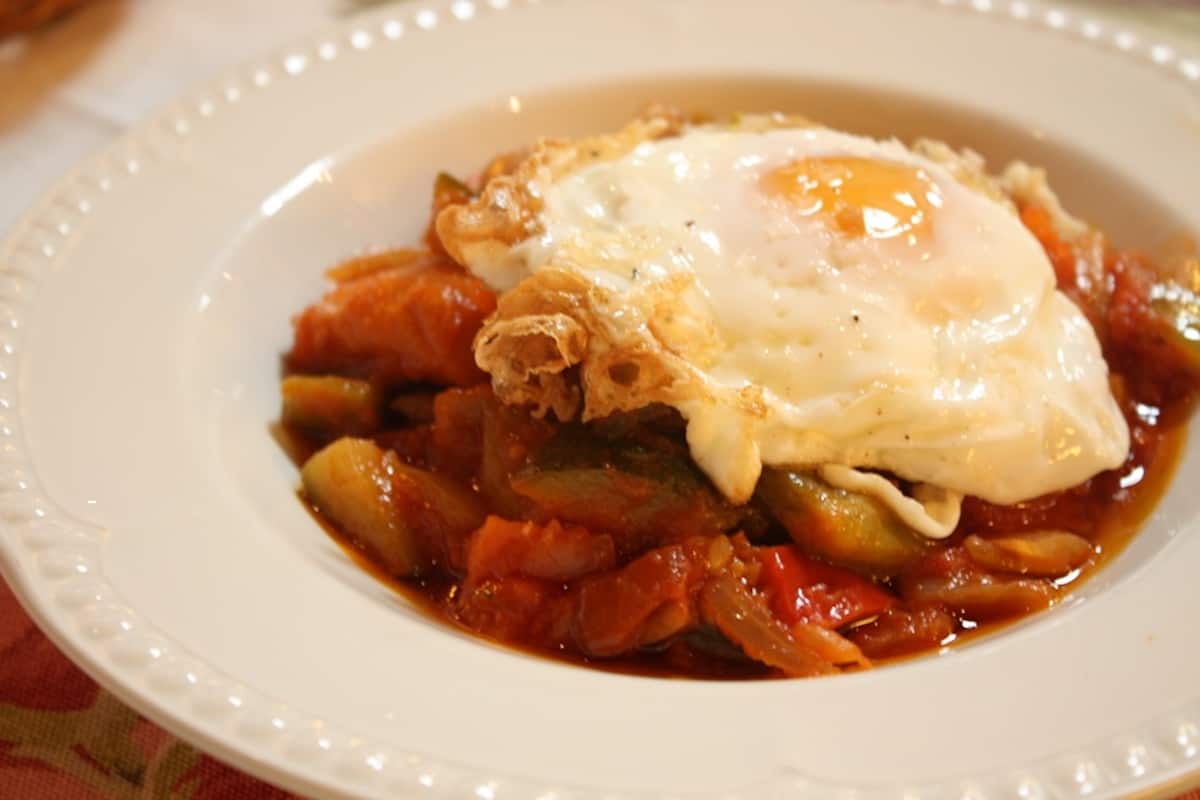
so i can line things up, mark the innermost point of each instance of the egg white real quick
(949, 359)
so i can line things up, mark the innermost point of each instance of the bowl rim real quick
(63, 548)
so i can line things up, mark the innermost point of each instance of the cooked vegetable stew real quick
(603, 543)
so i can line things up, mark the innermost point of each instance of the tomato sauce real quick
(602, 545)
(434, 595)
(1146, 483)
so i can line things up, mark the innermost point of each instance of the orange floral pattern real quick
(62, 736)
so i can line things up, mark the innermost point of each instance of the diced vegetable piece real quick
(1141, 322)
(643, 495)
(604, 499)
(617, 610)
(1079, 266)
(510, 438)
(409, 519)
(550, 552)
(727, 604)
(984, 598)
(397, 326)
(802, 590)
(349, 483)
(898, 632)
(1155, 328)
(829, 645)
(516, 609)
(330, 405)
(1047, 554)
(950, 578)
(441, 512)
(1179, 311)
(718, 554)
(671, 619)
(478, 439)
(842, 527)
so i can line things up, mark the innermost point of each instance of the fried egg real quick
(805, 298)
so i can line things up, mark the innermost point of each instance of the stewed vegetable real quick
(840, 526)
(602, 541)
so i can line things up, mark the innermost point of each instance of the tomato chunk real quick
(898, 632)
(802, 589)
(552, 552)
(1153, 331)
(616, 608)
(1080, 267)
(516, 609)
(396, 326)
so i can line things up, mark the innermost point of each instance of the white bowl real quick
(151, 525)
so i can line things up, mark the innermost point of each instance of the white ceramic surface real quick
(150, 522)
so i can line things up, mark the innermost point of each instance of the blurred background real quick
(75, 73)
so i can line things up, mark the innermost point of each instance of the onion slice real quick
(727, 603)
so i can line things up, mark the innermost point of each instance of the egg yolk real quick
(862, 197)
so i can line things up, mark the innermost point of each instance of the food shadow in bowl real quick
(375, 195)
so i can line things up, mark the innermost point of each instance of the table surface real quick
(64, 93)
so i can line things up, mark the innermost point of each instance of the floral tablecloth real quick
(63, 93)
(61, 736)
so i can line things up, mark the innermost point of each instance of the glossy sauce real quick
(433, 595)
(354, 333)
(1147, 481)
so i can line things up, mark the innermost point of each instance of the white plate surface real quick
(151, 525)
